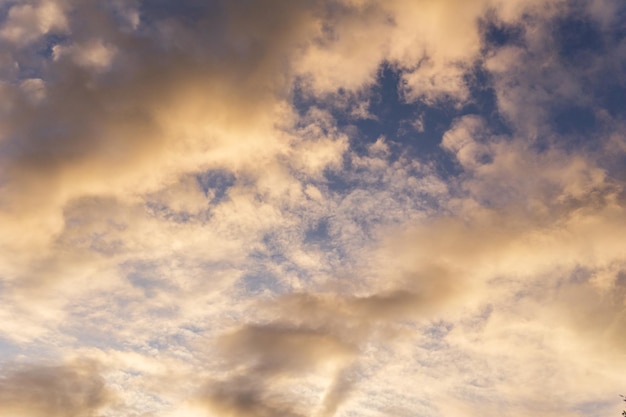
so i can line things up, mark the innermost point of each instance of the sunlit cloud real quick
(312, 208)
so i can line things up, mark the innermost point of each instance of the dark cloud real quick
(282, 348)
(260, 357)
(73, 390)
(246, 398)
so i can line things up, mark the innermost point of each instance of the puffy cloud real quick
(167, 106)
(27, 22)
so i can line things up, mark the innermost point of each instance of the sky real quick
(312, 208)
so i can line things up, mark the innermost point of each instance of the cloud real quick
(75, 390)
(210, 204)
(563, 179)
(540, 89)
(434, 44)
(27, 22)
(150, 120)
(94, 55)
(266, 360)
(291, 348)
(321, 334)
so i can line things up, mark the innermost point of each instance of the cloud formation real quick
(311, 208)
(67, 390)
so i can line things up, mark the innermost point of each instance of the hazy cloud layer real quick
(312, 208)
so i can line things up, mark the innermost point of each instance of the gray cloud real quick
(245, 398)
(326, 336)
(262, 356)
(72, 390)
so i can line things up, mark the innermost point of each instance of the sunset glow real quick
(312, 208)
